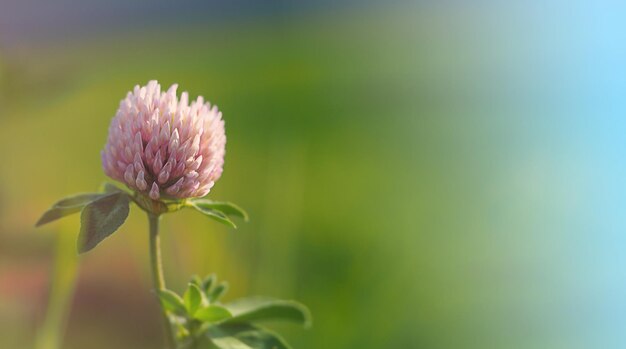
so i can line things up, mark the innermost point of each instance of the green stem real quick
(157, 274)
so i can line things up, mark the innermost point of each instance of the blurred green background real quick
(420, 174)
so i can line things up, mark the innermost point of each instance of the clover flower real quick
(164, 147)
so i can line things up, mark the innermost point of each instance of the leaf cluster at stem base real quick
(202, 321)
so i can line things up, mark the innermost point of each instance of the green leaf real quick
(214, 214)
(101, 218)
(80, 199)
(245, 336)
(197, 281)
(202, 342)
(260, 309)
(192, 298)
(111, 188)
(212, 313)
(67, 206)
(207, 283)
(228, 208)
(218, 291)
(172, 302)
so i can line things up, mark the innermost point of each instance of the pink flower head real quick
(165, 147)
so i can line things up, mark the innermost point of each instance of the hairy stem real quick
(157, 274)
